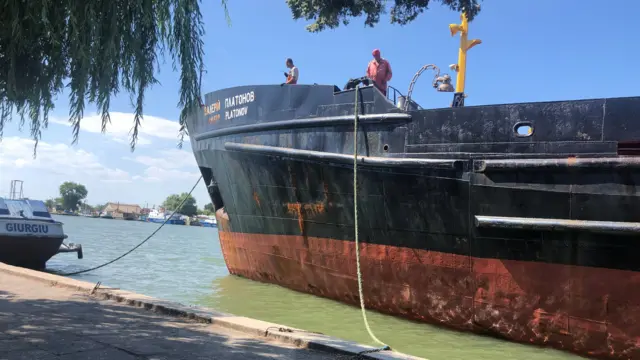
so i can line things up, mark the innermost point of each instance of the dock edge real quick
(258, 328)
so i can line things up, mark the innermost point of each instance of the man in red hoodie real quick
(379, 71)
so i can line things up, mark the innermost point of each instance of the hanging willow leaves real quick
(330, 14)
(95, 48)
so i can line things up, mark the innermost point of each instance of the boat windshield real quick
(23, 209)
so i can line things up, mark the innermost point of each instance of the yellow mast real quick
(461, 66)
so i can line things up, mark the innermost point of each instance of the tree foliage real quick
(209, 207)
(50, 203)
(72, 194)
(207, 210)
(91, 208)
(95, 48)
(189, 207)
(330, 14)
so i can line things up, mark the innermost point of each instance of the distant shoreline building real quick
(122, 211)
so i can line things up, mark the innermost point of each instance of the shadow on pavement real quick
(72, 325)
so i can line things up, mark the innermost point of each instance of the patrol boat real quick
(517, 220)
(29, 236)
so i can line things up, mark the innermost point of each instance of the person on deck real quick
(379, 71)
(292, 76)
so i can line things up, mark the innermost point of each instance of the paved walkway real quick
(41, 322)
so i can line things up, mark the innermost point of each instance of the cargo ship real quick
(516, 220)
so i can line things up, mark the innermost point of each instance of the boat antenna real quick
(15, 192)
(461, 66)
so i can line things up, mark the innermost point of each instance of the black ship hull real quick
(465, 220)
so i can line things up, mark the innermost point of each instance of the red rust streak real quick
(308, 210)
(256, 198)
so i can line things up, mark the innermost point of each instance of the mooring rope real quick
(355, 222)
(144, 241)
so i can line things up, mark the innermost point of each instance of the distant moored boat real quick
(157, 216)
(29, 236)
(208, 221)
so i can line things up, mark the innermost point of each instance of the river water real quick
(185, 264)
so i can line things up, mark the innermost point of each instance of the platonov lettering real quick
(237, 100)
(27, 228)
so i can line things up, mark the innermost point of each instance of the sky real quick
(531, 51)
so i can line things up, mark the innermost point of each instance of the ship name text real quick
(233, 105)
(211, 110)
(27, 228)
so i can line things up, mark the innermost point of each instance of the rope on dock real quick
(355, 221)
(144, 241)
(289, 330)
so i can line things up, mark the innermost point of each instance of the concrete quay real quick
(46, 317)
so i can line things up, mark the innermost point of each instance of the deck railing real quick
(392, 94)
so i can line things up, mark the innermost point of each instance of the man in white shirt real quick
(292, 76)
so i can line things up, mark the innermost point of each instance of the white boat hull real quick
(30, 228)
(29, 237)
(29, 243)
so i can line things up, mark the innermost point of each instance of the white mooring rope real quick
(355, 221)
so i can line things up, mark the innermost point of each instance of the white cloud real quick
(56, 158)
(141, 179)
(167, 159)
(155, 173)
(122, 123)
(172, 164)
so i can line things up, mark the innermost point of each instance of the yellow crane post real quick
(461, 66)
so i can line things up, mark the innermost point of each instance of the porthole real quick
(523, 129)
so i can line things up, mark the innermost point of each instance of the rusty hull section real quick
(584, 310)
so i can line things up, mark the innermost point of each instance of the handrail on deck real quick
(396, 92)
